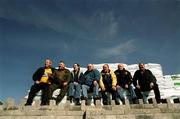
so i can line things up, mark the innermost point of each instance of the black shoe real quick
(70, 98)
(105, 103)
(117, 102)
(163, 101)
(158, 101)
(57, 101)
(27, 104)
(44, 104)
(83, 98)
(134, 100)
(86, 102)
(78, 101)
(97, 97)
(109, 102)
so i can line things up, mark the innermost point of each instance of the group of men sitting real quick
(107, 84)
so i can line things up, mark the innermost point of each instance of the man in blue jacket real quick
(91, 79)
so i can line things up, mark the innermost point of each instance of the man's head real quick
(142, 66)
(105, 68)
(76, 66)
(47, 63)
(90, 67)
(120, 66)
(61, 65)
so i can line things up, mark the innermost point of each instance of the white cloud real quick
(117, 52)
(99, 26)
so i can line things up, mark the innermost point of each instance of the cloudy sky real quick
(84, 31)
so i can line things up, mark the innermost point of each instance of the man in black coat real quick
(144, 81)
(124, 82)
(41, 79)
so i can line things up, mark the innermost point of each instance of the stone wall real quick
(152, 110)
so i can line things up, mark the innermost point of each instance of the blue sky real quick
(84, 31)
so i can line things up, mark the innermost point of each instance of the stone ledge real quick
(41, 113)
(143, 111)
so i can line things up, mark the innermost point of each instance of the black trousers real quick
(106, 96)
(36, 88)
(156, 92)
(61, 95)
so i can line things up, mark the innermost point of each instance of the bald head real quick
(47, 63)
(61, 65)
(120, 66)
(90, 67)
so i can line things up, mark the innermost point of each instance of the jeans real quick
(86, 88)
(74, 90)
(122, 94)
(156, 92)
(145, 95)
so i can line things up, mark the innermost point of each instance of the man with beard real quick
(60, 80)
(145, 81)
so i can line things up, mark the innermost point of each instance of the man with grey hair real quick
(42, 81)
(124, 82)
(91, 79)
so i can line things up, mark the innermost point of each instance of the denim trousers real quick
(74, 90)
(86, 89)
(123, 95)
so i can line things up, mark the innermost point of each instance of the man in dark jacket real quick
(74, 90)
(124, 82)
(41, 82)
(60, 80)
(145, 81)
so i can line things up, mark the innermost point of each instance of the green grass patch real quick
(177, 84)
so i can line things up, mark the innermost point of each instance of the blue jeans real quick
(122, 94)
(86, 88)
(74, 90)
(145, 95)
